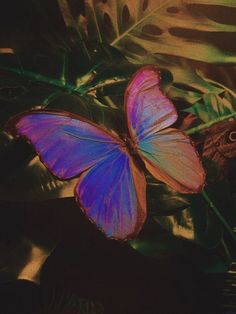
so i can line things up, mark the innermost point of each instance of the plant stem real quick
(108, 82)
(62, 83)
(222, 86)
(226, 251)
(45, 79)
(218, 215)
(208, 124)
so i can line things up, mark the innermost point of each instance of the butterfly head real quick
(130, 145)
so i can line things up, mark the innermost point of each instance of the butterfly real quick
(111, 186)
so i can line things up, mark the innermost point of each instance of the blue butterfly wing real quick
(113, 195)
(67, 145)
(111, 189)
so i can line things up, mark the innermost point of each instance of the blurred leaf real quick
(156, 242)
(32, 181)
(18, 94)
(164, 201)
(31, 269)
(213, 2)
(163, 27)
(21, 90)
(180, 224)
(189, 216)
(207, 229)
(160, 24)
(62, 301)
(184, 216)
(211, 107)
(188, 85)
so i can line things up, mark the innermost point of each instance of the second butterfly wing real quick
(167, 153)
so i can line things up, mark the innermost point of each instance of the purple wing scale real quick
(116, 186)
(148, 110)
(66, 145)
(111, 189)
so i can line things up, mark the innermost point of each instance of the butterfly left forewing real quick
(66, 144)
(113, 195)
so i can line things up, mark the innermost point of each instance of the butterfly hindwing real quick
(170, 158)
(113, 195)
(167, 153)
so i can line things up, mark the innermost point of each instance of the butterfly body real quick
(111, 187)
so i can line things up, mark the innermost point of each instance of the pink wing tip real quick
(11, 124)
(142, 76)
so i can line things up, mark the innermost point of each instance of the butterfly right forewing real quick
(167, 153)
(148, 109)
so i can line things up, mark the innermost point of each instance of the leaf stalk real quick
(203, 126)
(218, 215)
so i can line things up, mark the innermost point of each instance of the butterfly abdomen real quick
(132, 149)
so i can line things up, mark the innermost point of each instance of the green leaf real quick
(189, 85)
(228, 3)
(158, 27)
(211, 107)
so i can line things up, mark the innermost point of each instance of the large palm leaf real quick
(143, 28)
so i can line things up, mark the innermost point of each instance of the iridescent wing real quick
(118, 187)
(111, 189)
(148, 110)
(167, 153)
(170, 157)
(66, 144)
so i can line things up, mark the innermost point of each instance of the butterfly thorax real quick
(130, 145)
(131, 148)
